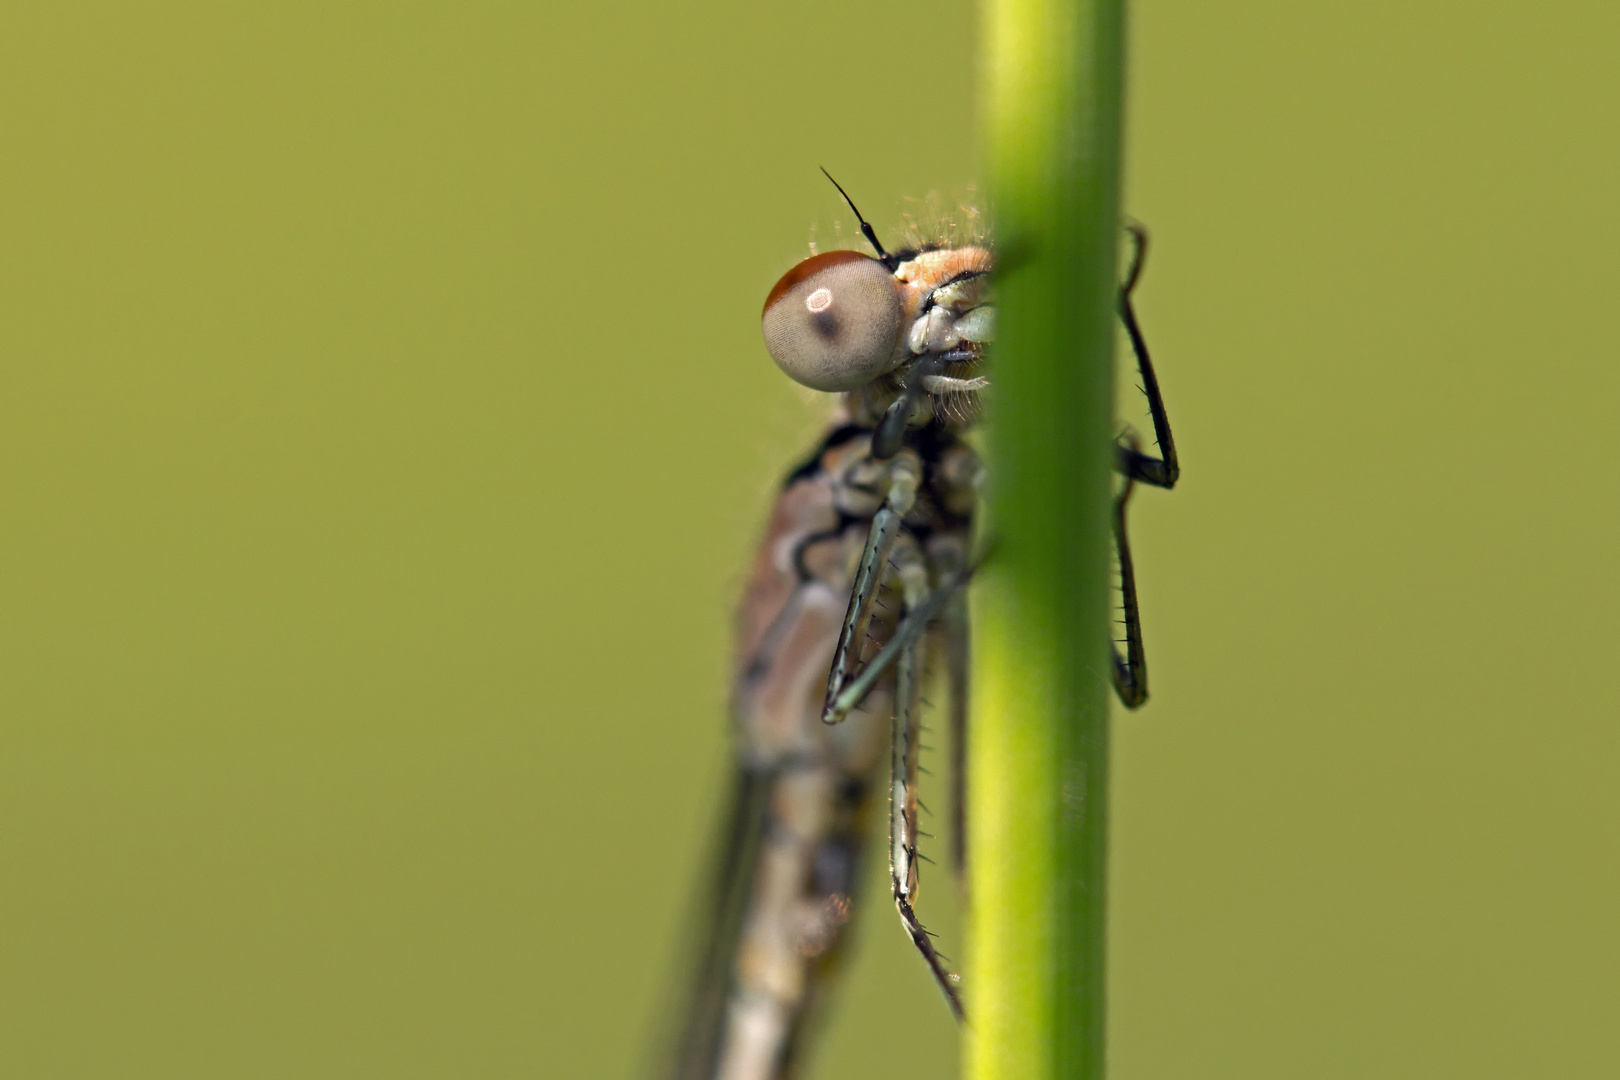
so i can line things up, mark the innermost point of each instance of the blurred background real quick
(384, 425)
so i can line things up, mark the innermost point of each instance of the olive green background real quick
(384, 425)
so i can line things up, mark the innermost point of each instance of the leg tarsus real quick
(1130, 670)
(925, 945)
(1139, 235)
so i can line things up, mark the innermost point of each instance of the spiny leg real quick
(854, 690)
(1128, 459)
(957, 660)
(946, 556)
(904, 476)
(904, 766)
(1130, 670)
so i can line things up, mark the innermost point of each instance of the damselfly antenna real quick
(866, 227)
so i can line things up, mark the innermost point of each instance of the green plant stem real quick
(1039, 772)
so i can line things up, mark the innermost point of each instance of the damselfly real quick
(859, 582)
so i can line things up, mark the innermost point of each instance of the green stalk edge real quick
(1038, 776)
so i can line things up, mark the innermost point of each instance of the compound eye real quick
(832, 321)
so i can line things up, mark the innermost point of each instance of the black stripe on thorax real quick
(811, 465)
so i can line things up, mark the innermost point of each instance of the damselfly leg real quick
(1161, 471)
(956, 647)
(850, 680)
(910, 669)
(1130, 670)
(901, 492)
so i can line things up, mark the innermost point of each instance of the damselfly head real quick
(844, 322)
(912, 323)
(833, 321)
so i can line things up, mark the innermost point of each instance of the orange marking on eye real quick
(813, 265)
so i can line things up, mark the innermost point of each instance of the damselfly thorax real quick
(857, 591)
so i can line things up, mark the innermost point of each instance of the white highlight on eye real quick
(819, 301)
